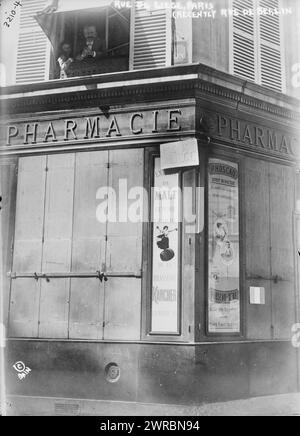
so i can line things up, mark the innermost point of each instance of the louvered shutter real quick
(244, 50)
(257, 44)
(270, 49)
(32, 57)
(150, 38)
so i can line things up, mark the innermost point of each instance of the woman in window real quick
(65, 60)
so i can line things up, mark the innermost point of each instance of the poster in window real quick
(165, 209)
(223, 252)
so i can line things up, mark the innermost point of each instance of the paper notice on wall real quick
(179, 154)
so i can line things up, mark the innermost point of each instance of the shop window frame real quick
(147, 335)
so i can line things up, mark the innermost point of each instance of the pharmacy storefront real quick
(148, 240)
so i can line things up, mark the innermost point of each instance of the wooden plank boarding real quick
(257, 215)
(29, 214)
(24, 304)
(124, 251)
(54, 300)
(88, 247)
(282, 256)
(8, 185)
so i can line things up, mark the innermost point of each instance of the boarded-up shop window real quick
(165, 252)
(223, 247)
(60, 244)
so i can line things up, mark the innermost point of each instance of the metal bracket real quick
(101, 276)
(39, 276)
(46, 277)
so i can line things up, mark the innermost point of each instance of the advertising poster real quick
(165, 203)
(223, 279)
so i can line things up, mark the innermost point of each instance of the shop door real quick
(61, 247)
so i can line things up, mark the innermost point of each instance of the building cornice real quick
(190, 81)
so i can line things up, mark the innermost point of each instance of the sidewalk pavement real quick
(274, 405)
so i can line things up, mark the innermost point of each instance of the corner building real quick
(101, 311)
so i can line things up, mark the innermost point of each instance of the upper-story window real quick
(257, 43)
(86, 41)
(57, 38)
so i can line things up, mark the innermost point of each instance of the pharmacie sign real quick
(252, 135)
(103, 126)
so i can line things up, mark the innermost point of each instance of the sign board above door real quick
(179, 154)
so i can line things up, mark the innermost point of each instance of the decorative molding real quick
(94, 144)
(252, 102)
(193, 88)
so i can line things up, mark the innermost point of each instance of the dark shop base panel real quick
(147, 373)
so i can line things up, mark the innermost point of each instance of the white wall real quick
(8, 43)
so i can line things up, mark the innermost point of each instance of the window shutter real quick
(244, 42)
(150, 38)
(32, 57)
(270, 49)
(257, 44)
